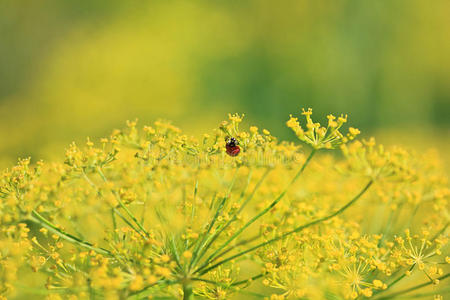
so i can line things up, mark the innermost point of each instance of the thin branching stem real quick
(245, 281)
(38, 218)
(114, 209)
(231, 248)
(187, 291)
(123, 206)
(174, 250)
(416, 287)
(205, 241)
(117, 212)
(440, 232)
(139, 294)
(202, 270)
(114, 223)
(390, 285)
(234, 217)
(262, 213)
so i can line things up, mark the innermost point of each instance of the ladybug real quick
(232, 147)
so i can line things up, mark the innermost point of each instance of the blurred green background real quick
(70, 69)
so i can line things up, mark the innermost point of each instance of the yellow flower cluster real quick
(151, 212)
(320, 137)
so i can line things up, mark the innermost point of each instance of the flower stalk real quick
(262, 213)
(202, 270)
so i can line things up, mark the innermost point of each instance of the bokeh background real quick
(71, 69)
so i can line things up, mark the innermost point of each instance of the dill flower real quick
(418, 252)
(374, 161)
(320, 137)
(150, 211)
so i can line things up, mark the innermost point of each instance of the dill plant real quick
(151, 213)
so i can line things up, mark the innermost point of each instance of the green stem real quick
(116, 211)
(411, 218)
(38, 218)
(263, 212)
(187, 291)
(118, 198)
(122, 205)
(202, 269)
(233, 218)
(174, 250)
(193, 201)
(204, 243)
(113, 217)
(248, 280)
(250, 197)
(440, 232)
(394, 282)
(388, 223)
(412, 288)
(130, 214)
(426, 295)
(241, 243)
(399, 278)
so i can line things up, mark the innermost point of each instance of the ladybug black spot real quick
(232, 142)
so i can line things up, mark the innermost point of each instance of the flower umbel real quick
(152, 212)
(320, 137)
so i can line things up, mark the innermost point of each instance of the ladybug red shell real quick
(232, 147)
